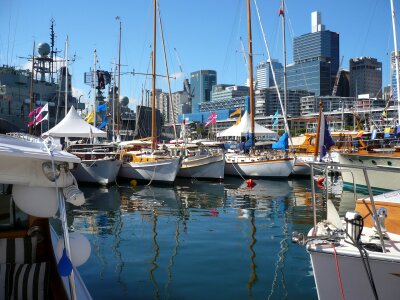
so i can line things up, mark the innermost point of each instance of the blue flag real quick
(275, 119)
(102, 107)
(283, 143)
(104, 123)
(325, 138)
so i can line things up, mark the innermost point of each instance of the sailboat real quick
(385, 154)
(140, 162)
(252, 164)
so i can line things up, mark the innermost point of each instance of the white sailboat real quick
(144, 164)
(256, 165)
(99, 165)
(388, 155)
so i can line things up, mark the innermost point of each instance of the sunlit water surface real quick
(198, 240)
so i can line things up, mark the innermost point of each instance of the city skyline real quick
(202, 43)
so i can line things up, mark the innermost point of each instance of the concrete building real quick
(316, 59)
(264, 77)
(365, 77)
(267, 102)
(221, 92)
(201, 83)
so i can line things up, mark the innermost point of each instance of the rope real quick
(233, 164)
(338, 271)
(152, 176)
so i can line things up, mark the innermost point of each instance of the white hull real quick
(385, 271)
(242, 165)
(378, 180)
(162, 170)
(203, 167)
(101, 171)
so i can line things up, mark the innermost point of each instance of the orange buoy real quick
(320, 180)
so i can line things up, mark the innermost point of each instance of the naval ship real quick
(21, 91)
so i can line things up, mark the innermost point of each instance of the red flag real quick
(35, 111)
(212, 121)
(281, 13)
(213, 116)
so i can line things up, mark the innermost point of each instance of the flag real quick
(102, 107)
(40, 118)
(373, 134)
(238, 120)
(283, 143)
(212, 116)
(387, 133)
(90, 117)
(212, 119)
(34, 112)
(275, 119)
(325, 139)
(236, 112)
(104, 123)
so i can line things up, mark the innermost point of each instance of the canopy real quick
(74, 126)
(243, 128)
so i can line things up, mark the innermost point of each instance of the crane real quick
(335, 86)
(185, 80)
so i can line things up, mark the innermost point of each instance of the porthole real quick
(350, 160)
(360, 161)
(373, 162)
(389, 163)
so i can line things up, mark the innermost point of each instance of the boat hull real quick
(207, 167)
(101, 171)
(274, 168)
(378, 180)
(162, 170)
(355, 283)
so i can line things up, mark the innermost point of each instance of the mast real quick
(31, 89)
(113, 106)
(169, 83)
(153, 94)
(282, 13)
(316, 149)
(94, 87)
(396, 55)
(66, 77)
(119, 75)
(250, 47)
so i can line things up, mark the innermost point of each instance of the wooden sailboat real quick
(253, 165)
(144, 164)
(385, 154)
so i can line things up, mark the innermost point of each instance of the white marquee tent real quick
(74, 126)
(243, 128)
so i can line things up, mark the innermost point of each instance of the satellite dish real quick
(125, 101)
(44, 49)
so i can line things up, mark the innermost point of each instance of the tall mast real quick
(169, 83)
(113, 106)
(119, 75)
(396, 55)
(32, 81)
(250, 46)
(94, 86)
(282, 13)
(66, 77)
(153, 94)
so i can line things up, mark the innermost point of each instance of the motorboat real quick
(356, 256)
(35, 183)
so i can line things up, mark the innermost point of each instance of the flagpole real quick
(66, 77)
(318, 129)
(94, 87)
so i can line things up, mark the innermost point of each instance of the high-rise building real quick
(201, 83)
(264, 77)
(228, 91)
(365, 77)
(316, 59)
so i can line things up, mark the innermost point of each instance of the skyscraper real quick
(201, 83)
(264, 74)
(365, 77)
(316, 59)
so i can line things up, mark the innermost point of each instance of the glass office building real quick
(316, 60)
(201, 83)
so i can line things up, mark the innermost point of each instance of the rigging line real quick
(8, 37)
(367, 36)
(238, 14)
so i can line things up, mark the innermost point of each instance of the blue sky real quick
(206, 34)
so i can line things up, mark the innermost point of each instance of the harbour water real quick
(197, 240)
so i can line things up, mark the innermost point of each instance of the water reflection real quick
(196, 239)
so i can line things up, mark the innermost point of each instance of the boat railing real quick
(326, 167)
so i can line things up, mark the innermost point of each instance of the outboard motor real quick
(354, 226)
(382, 215)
